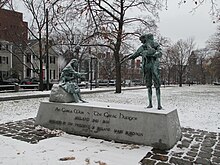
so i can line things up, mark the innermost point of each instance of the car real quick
(3, 82)
(28, 81)
(12, 80)
(127, 83)
(84, 84)
(112, 82)
(216, 83)
(137, 82)
(102, 82)
(6, 85)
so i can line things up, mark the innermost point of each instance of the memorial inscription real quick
(97, 120)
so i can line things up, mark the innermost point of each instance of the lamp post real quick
(47, 50)
(77, 48)
(91, 72)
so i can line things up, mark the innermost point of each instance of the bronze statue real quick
(68, 80)
(150, 52)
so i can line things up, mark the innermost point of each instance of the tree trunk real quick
(169, 75)
(41, 87)
(117, 52)
(180, 79)
(118, 73)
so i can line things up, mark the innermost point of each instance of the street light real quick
(91, 72)
(47, 50)
(77, 48)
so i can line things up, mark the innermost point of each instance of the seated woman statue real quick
(68, 80)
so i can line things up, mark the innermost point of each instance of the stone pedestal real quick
(122, 123)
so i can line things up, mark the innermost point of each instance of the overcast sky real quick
(178, 23)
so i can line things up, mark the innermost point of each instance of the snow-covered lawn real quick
(198, 107)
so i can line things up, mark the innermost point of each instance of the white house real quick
(5, 59)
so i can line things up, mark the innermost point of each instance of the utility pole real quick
(47, 50)
(77, 48)
(91, 73)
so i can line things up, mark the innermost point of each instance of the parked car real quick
(12, 80)
(137, 82)
(216, 83)
(112, 82)
(34, 81)
(103, 82)
(28, 81)
(84, 84)
(127, 83)
(3, 82)
(6, 85)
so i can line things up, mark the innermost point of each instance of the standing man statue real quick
(68, 80)
(150, 52)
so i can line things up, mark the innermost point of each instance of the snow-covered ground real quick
(198, 107)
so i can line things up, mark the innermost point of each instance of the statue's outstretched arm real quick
(137, 53)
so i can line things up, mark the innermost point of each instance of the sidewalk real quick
(37, 94)
(196, 147)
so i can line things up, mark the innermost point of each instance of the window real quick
(28, 57)
(2, 47)
(4, 74)
(52, 59)
(28, 72)
(4, 60)
(50, 74)
(6, 47)
(54, 77)
(45, 59)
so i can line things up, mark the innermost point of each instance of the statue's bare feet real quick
(149, 106)
(83, 101)
(159, 107)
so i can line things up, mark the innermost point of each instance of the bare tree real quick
(180, 53)
(213, 67)
(214, 7)
(214, 42)
(110, 25)
(167, 64)
(197, 65)
(5, 3)
(166, 59)
(37, 9)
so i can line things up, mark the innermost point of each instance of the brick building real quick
(12, 26)
(13, 30)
